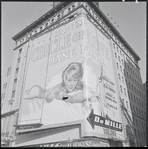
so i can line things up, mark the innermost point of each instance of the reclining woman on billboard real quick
(71, 82)
(71, 89)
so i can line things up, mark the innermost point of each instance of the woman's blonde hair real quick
(77, 67)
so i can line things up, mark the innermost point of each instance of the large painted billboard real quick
(70, 77)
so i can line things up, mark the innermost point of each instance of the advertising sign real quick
(77, 143)
(70, 77)
(31, 110)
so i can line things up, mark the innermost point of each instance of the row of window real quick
(139, 135)
(117, 49)
(122, 55)
(138, 111)
(142, 124)
(136, 100)
(16, 73)
(122, 90)
(135, 78)
(133, 88)
(4, 87)
(136, 74)
(121, 61)
(119, 76)
(122, 70)
(3, 94)
(140, 144)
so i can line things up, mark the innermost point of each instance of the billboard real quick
(70, 77)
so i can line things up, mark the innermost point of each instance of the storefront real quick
(84, 142)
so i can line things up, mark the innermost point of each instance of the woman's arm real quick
(82, 96)
(77, 98)
(51, 93)
(34, 92)
(38, 92)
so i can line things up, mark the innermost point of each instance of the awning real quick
(62, 133)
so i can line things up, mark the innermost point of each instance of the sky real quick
(129, 16)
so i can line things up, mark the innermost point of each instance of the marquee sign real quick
(104, 122)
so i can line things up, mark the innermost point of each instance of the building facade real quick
(75, 32)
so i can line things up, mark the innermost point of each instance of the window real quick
(129, 85)
(137, 100)
(135, 132)
(127, 104)
(16, 73)
(136, 122)
(119, 76)
(136, 110)
(125, 65)
(131, 97)
(124, 91)
(8, 71)
(20, 51)
(3, 95)
(127, 74)
(139, 112)
(117, 49)
(142, 113)
(122, 79)
(121, 88)
(144, 134)
(133, 109)
(13, 94)
(18, 60)
(14, 84)
(119, 58)
(138, 134)
(115, 55)
(134, 99)
(120, 53)
(121, 68)
(122, 62)
(117, 65)
(123, 56)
